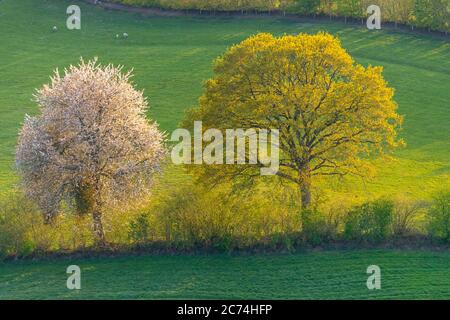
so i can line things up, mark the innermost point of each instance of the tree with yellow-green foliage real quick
(332, 114)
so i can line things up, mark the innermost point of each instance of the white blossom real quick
(91, 145)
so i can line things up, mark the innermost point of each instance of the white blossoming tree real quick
(91, 146)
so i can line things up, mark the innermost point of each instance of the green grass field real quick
(172, 56)
(319, 275)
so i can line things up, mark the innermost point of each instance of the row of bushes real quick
(196, 216)
(189, 216)
(429, 14)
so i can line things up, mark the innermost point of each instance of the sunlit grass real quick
(171, 58)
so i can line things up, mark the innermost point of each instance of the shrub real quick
(371, 221)
(16, 214)
(222, 243)
(23, 230)
(405, 215)
(282, 241)
(317, 228)
(195, 213)
(139, 230)
(439, 217)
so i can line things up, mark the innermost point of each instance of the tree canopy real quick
(91, 145)
(332, 113)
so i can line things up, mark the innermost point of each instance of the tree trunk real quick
(98, 227)
(167, 233)
(305, 189)
(90, 202)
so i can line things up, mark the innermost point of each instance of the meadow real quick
(171, 57)
(314, 275)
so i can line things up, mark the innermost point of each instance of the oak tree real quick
(332, 113)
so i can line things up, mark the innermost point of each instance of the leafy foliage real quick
(317, 228)
(331, 113)
(140, 229)
(371, 221)
(439, 223)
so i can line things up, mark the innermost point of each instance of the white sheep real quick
(55, 28)
(125, 35)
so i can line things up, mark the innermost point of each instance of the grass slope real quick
(172, 56)
(319, 275)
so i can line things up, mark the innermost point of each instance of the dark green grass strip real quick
(317, 275)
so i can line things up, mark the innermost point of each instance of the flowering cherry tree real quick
(91, 146)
